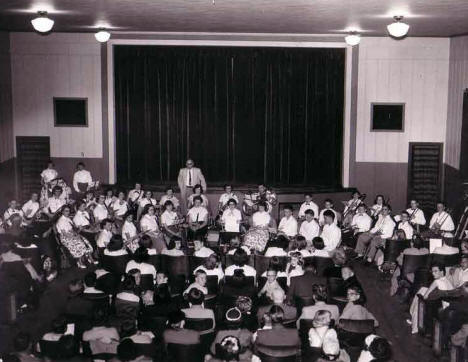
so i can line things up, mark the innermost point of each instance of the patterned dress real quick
(75, 243)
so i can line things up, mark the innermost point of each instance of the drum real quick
(257, 239)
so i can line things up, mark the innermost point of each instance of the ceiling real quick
(438, 18)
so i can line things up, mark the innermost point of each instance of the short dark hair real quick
(288, 207)
(438, 265)
(145, 242)
(309, 212)
(169, 188)
(276, 314)
(197, 198)
(115, 243)
(319, 292)
(418, 242)
(232, 200)
(318, 243)
(59, 325)
(328, 200)
(380, 349)
(196, 296)
(198, 186)
(329, 213)
(240, 257)
(168, 203)
(141, 255)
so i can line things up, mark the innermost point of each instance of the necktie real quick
(198, 214)
(190, 177)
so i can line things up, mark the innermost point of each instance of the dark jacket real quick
(301, 286)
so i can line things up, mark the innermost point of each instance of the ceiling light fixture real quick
(42, 23)
(102, 35)
(353, 38)
(398, 29)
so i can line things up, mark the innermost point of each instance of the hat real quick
(233, 315)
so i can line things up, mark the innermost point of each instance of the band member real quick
(405, 225)
(12, 210)
(187, 179)
(149, 225)
(146, 200)
(360, 223)
(328, 204)
(169, 196)
(376, 209)
(170, 222)
(55, 203)
(416, 215)
(308, 204)
(119, 207)
(90, 200)
(82, 218)
(79, 248)
(129, 232)
(288, 224)
(100, 211)
(31, 207)
(231, 220)
(265, 195)
(441, 222)
(134, 196)
(351, 207)
(227, 196)
(331, 233)
(197, 192)
(382, 230)
(110, 198)
(82, 179)
(309, 227)
(105, 234)
(48, 174)
(197, 219)
(262, 218)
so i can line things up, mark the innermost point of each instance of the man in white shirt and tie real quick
(288, 224)
(308, 204)
(82, 180)
(441, 222)
(189, 176)
(382, 230)
(331, 233)
(309, 227)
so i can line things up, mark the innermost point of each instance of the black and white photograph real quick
(233, 180)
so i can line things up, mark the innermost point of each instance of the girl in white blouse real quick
(129, 232)
(146, 200)
(197, 191)
(78, 247)
(119, 207)
(149, 225)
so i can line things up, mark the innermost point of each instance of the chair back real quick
(335, 288)
(266, 358)
(228, 280)
(184, 352)
(155, 260)
(229, 260)
(446, 260)
(31, 253)
(99, 350)
(199, 324)
(49, 348)
(261, 264)
(411, 263)
(212, 284)
(302, 301)
(422, 278)
(115, 264)
(352, 333)
(176, 265)
(195, 262)
(146, 282)
(155, 324)
(304, 327)
(322, 264)
(392, 250)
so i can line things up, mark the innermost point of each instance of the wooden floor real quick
(390, 314)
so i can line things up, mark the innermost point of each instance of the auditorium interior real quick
(214, 180)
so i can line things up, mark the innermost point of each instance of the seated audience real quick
(278, 299)
(174, 248)
(375, 349)
(212, 266)
(240, 260)
(277, 341)
(140, 261)
(440, 282)
(299, 244)
(446, 248)
(199, 283)
(277, 246)
(271, 284)
(320, 296)
(355, 309)
(100, 330)
(176, 333)
(197, 310)
(200, 250)
(238, 285)
(294, 267)
(302, 286)
(321, 329)
(331, 351)
(318, 248)
(227, 350)
(234, 327)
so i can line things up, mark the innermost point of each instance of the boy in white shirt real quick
(308, 204)
(309, 227)
(288, 224)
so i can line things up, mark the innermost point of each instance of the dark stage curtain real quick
(244, 115)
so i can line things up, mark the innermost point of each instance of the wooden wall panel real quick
(458, 82)
(57, 65)
(6, 120)
(413, 71)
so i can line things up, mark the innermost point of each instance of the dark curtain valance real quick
(244, 115)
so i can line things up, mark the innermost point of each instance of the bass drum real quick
(256, 239)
